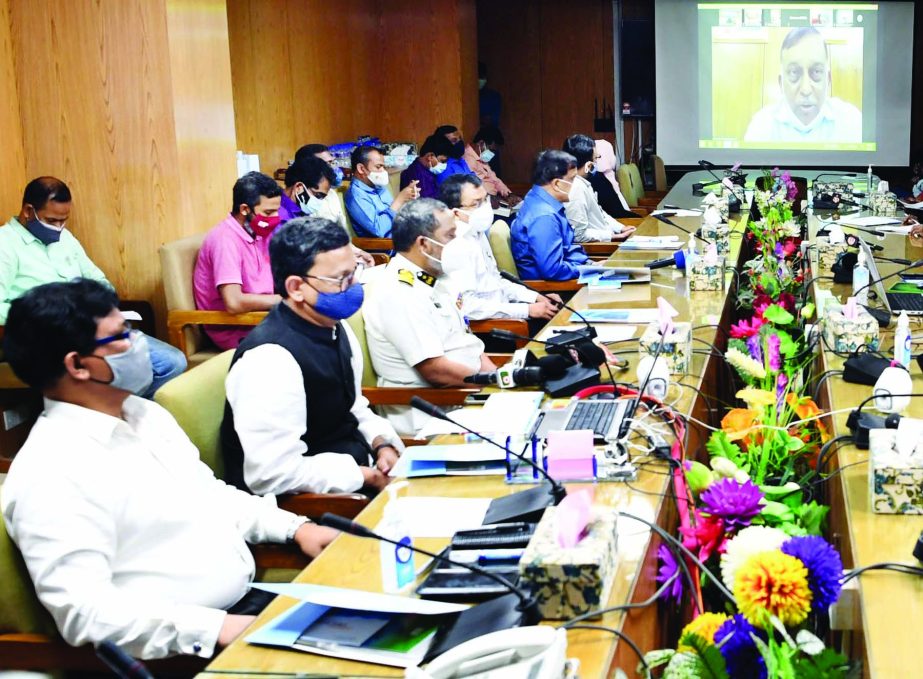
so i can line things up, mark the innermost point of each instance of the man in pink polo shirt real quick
(232, 270)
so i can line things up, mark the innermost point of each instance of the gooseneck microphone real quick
(733, 200)
(528, 605)
(558, 492)
(507, 276)
(545, 368)
(122, 664)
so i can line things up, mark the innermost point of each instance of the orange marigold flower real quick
(773, 582)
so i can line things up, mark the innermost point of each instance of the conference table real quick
(354, 562)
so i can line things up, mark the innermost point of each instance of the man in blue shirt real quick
(368, 200)
(429, 164)
(542, 239)
(455, 164)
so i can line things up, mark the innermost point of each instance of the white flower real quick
(745, 365)
(724, 468)
(751, 540)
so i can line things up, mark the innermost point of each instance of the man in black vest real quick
(295, 419)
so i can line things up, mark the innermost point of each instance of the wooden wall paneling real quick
(468, 67)
(13, 168)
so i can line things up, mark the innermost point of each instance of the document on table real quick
(461, 459)
(509, 414)
(870, 221)
(604, 333)
(652, 243)
(439, 517)
(635, 316)
(677, 212)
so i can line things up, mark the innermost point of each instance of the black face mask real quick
(43, 232)
(458, 149)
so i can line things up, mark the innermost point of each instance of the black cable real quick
(906, 568)
(821, 465)
(827, 374)
(620, 635)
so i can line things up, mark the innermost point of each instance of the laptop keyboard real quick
(905, 301)
(595, 415)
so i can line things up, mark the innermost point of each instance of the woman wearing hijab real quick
(604, 184)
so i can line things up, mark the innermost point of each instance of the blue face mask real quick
(340, 305)
(338, 171)
(44, 232)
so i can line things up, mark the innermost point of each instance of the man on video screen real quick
(806, 112)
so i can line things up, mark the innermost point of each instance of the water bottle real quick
(860, 280)
(902, 351)
(397, 569)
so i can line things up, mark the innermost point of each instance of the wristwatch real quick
(387, 444)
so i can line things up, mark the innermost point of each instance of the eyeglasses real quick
(124, 335)
(343, 282)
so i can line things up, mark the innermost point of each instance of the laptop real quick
(894, 302)
(603, 417)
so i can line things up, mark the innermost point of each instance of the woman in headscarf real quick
(604, 184)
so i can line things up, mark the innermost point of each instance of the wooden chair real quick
(499, 236)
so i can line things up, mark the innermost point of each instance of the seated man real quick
(296, 420)
(35, 248)
(309, 190)
(541, 238)
(127, 535)
(456, 162)
(582, 209)
(232, 269)
(478, 157)
(428, 165)
(416, 332)
(322, 152)
(368, 200)
(484, 293)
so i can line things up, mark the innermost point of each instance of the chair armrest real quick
(279, 556)
(400, 396)
(178, 319)
(500, 359)
(312, 505)
(514, 325)
(380, 257)
(374, 244)
(600, 248)
(631, 221)
(555, 286)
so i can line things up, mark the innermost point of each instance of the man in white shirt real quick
(416, 332)
(806, 112)
(127, 535)
(309, 191)
(583, 210)
(469, 262)
(296, 420)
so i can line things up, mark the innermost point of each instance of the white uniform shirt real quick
(127, 535)
(484, 293)
(332, 208)
(586, 216)
(408, 321)
(265, 388)
(837, 121)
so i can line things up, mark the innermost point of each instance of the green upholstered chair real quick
(499, 237)
(371, 245)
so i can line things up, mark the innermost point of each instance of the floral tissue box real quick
(677, 347)
(883, 204)
(845, 336)
(827, 253)
(571, 581)
(719, 234)
(895, 480)
(706, 275)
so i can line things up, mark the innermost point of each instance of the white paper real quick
(342, 597)
(440, 517)
(652, 243)
(635, 316)
(903, 229)
(869, 221)
(509, 414)
(604, 333)
(677, 213)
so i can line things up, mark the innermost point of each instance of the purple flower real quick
(755, 347)
(781, 384)
(825, 568)
(736, 167)
(741, 656)
(778, 251)
(773, 344)
(735, 503)
(668, 568)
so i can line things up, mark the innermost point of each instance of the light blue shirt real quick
(837, 121)
(369, 208)
(542, 239)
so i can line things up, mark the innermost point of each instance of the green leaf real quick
(828, 664)
(655, 659)
(719, 445)
(807, 311)
(711, 658)
(777, 315)
(793, 444)
(811, 517)
(787, 346)
(776, 512)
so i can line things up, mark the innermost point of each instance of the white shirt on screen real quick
(127, 534)
(837, 121)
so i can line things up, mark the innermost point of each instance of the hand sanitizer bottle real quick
(860, 280)
(397, 569)
(869, 188)
(902, 341)
(691, 255)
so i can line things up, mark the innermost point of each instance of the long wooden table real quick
(354, 562)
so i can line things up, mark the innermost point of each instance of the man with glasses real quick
(295, 419)
(416, 332)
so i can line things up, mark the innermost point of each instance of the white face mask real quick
(570, 188)
(308, 203)
(481, 218)
(438, 168)
(379, 178)
(131, 370)
(457, 261)
(487, 155)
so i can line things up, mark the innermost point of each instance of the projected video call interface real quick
(795, 76)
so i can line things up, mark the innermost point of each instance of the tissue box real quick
(828, 252)
(704, 276)
(576, 580)
(845, 336)
(677, 347)
(894, 489)
(884, 204)
(719, 234)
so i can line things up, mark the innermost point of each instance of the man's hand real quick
(364, 257)
(407, 194)
(387, 458)
(311, 538)
(543, 309)
(233, 627)
(557, 299)
(624, 233)
(916, 235)
(373, 478)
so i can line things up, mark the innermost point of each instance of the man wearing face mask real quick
(36, 248)
(368, 200)
(322, 152)
(541, 238)
(583, 211)
(150, 549)
(428, 165)
(232, 270)
(469, 261)
(416, 331)
(478, 156)
(296, 420)
(309, 191)
(456, 163)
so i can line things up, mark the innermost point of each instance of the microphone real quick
(546, 367)
(527, 605)
(851, 175)
(698, 186)
(677, 259)
(893, 260)
(733, 200)
(433, 410)
(122, 664)
(507, 276)
(663, 218)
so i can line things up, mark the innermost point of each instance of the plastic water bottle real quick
(902, 351)
(860, 280)
(397, 569)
